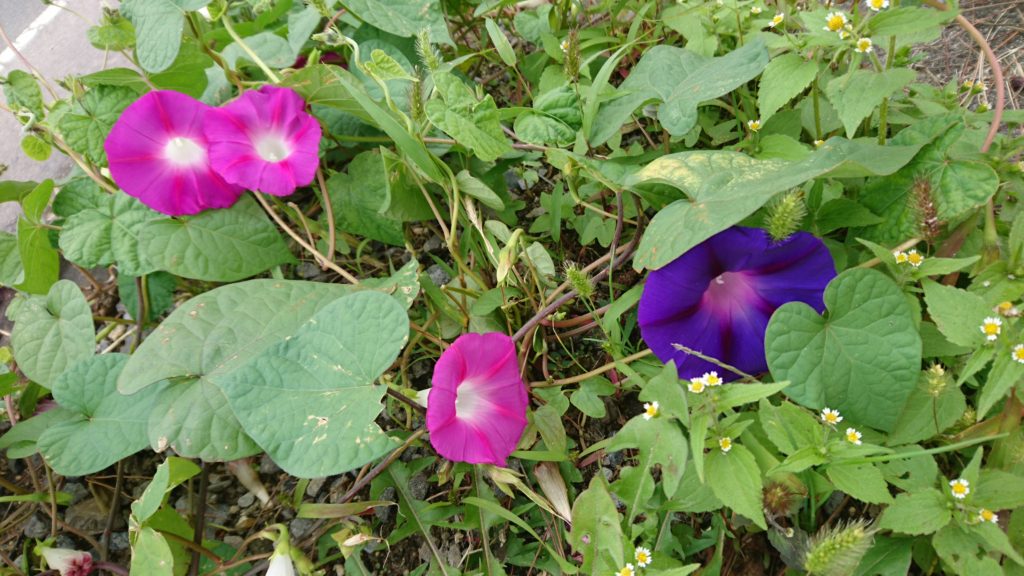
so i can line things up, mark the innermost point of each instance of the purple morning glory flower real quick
(265, 140)
(717, 298)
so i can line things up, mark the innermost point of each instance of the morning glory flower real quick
(264, 140)
(280, 565)
(476, 410)
(717, 298)
(68, 562)
(158, 154)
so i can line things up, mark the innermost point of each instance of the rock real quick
(307, 270)
(246, 500)
(267, 465)
(418, 487)
(314, 486)
(76, 490)
(438, 275)
(119, 542)
(432, 244)
(300, 528)
(386, 513)
(35, 527)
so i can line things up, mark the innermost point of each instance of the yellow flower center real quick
(991, 329)
(652, 410)
(876, 4)
(641, 557)
(959, 488)
(1018, 353)
(626, 571)
(835, 22)
(714, 380)
(914, 258)
(696, 385)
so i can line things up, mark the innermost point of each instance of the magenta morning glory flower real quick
(158, 154)
(265, 140)
(476, 410)
(717, 297)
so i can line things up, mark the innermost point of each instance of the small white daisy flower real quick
(818, 143)
(901, 256)
(564, 45)
(834, 21)
(844, 34)
(754, 125)
(650, 410)
(853, 436)
(642, 556)
(991, 327)
(830, 416)
(960, 488)
(914, 258)
(776, 20)
(697, 385)
(986, 515)
(1018, 353)
(627, 570)
(725, 443)
(877, 5)
(712, 379)
(755, 10)
(864, 45)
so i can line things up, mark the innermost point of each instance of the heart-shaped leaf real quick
(310, 401)
(861, 358)
(108, 235)
(105, 425)
(52, 333)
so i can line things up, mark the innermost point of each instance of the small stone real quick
(64, 541)
(119, 542)
(433, 243)
(246, 500)
(267, 465)
(314, 486)
(76, 490)
(418, 487)
(300, 528)
(385, 513)
(307, 270)
(35, 527)
(438, 275)
(233, 541)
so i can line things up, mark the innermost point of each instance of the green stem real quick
(916, 453)
(817, 109)
(481, 487)
(249, 51)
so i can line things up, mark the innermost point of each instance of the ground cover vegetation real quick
(608, 287)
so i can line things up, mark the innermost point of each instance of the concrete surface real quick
(53, 39)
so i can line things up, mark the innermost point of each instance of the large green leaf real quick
(784, 78)
(887, 557)
(862, 357)
(862, 481)
(86, 126)
(105, 425)
(555, 118)
(596, 532)
(403, 17)
(723, 188)
(659, 441)
(310, 401)
(678, 80)
(151, 554)
(52, 333)
(11, 270)
(735, 479)
(857, 94)
(958, 313)
(158, 26)
(108, 235)
(318, 84)
(920, 512)
(929, 411)
(360, 195)
(39, 258)
(216, 245)
(474, 124)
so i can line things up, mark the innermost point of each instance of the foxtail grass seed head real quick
(922, 206)
(579, 280)
(429, 56)
(571, 51)
(837, 551)
(785, 215)
(936, 379)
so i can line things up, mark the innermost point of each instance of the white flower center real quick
(468, 401)
(272, 148)
(182, 151)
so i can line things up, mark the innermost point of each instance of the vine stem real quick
(249, 51)
(199, 522)
(916, 453)
(329, 211)
(362, 482)
(309, 247)
(595, 372)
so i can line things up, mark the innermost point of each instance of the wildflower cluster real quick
(642, 557)
(911, 257)
(708, 379)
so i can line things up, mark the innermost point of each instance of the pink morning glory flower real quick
(476, 410)
(158, 154)
(265, 140)
(68, 562)
(717, 298)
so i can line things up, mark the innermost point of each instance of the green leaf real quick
(473, 186)
(161, 287)
(311, 400)
(384, 66)
(693, 496)
(554, 119)
(548, 421)
(668, 391)
(856, 95)
(158, 26)
(789, 427)
(1004, 375)
(957, 313)
(21, 440)
(114, 33)
(11, 270)
(679, 80)
(319, 85)
(659, 441)
(588, 398)
(301, 25)
(928, 412)
(403, 17)
(104, 427)
(908, 20)
(36, 148)
(737, 395)
(86, 126)
(35, 202)
(785, 77)
(722, 188)
(922, 512)
(736, 480)
(359, 196)
(862, 481)
(216, 245)
(52, 333)
(501, 43)
(151, 555)
(843, 213)
(862, 358)
(474, 124)
(999, 490)
(596, 533)
(22, 93)
(271, 48)
(108, 235)
(169, 474)
(887, 557)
